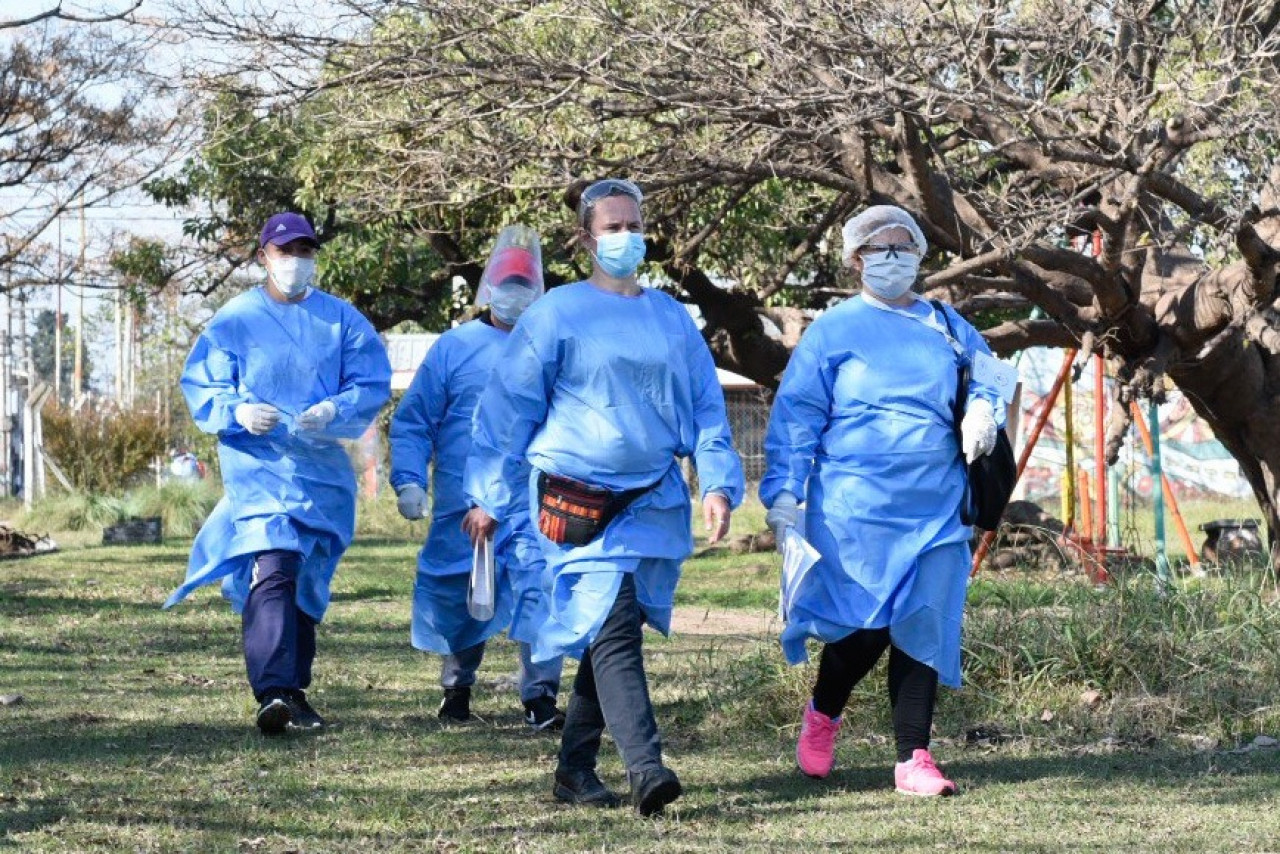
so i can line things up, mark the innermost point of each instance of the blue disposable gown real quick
(861, 428)
(433, 425)
(609, 390)
(289, 489)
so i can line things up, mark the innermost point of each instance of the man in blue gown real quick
(603, 386)
(433, 426)
(281, 373)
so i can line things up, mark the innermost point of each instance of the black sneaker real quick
(456, 705)
(653, 790)
(583, 788)
(304, 718)
(274, 713)
(541, 714)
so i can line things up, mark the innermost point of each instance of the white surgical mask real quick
(508, 302)
(291, 275)
(889, 275)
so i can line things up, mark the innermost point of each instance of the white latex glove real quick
(411, 501)
(318, 417)
(782, 515)
(258, 418)
(978, 430)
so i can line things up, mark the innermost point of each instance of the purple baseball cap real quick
(283, 227)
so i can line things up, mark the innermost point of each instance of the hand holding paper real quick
(798, 557)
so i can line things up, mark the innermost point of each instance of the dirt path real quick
(711, 621)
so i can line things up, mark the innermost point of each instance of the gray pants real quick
(611, 690)
(458, 670)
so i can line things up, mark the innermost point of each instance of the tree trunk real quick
(1235, 388)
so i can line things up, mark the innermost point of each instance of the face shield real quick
(512, 279)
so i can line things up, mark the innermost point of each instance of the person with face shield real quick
(862, 433)
(604, 385)
(432, 428)
(281, 374)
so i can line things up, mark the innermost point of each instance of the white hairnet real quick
(859, 230)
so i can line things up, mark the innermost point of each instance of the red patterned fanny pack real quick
(573, 512)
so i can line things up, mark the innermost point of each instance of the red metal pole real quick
(1042, 418)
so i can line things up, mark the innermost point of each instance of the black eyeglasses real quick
(892, 248)
(611, 187)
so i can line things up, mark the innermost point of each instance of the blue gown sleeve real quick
(801, 411)
(416, 424)
(511, 408)
(719, 467)
(366, 379)
(211, 385)
(973, 342)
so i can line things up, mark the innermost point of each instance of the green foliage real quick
(79, 511)
(182, 504)
(103, 450)
(144, 268)
(43, 347)
(243, 168)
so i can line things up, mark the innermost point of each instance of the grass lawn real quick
(135, 735)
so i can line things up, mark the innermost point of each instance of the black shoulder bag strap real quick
(990, 479)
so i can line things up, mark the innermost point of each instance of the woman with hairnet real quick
(862, 431)
(432, 426)
(603, 386)
(280, 374)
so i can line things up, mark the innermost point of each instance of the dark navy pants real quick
(611, 690)
(279, 638)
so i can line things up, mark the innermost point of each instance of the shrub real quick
(182, 504)
(75, 512)
(103, 450)
(1064, 663)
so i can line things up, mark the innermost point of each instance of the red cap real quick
(513, 261)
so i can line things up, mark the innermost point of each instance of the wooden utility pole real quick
(6, 378)
(119, 348)
(77, 385)
(57, 323)
(131, 352)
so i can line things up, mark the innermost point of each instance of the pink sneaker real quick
(921, 777)
(816, 749)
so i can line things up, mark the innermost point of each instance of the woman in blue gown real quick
(862, 430)
(602, 387)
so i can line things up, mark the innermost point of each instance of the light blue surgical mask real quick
(508, 302)
(619, 253)
(889, 275)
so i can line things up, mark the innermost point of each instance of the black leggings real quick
(913, 687)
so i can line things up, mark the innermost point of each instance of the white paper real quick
(480, 589)
(798, 557)
(990, 371)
